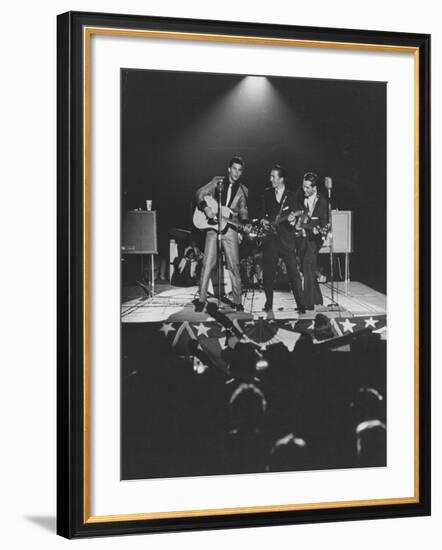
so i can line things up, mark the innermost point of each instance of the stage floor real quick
(175, 304)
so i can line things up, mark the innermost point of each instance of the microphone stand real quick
(219, 244)
(333, 305)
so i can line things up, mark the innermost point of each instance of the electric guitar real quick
(272, 228)
(306, 224)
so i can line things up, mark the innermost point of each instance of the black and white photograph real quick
(218, 308)
(253, 274)
(243, 270)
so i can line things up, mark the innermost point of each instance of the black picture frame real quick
(73, 517)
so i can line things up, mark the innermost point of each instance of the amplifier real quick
(342, 233)
(140, 233)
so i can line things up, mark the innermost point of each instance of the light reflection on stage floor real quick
(175, 304)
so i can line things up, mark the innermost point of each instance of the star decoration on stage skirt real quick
(263, 332)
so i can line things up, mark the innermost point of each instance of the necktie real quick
(229, 192)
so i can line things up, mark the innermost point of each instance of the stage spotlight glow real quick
(255, 86)
(257, 80)
(251, 107)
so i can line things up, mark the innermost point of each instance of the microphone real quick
(222, 319)
(328, 184)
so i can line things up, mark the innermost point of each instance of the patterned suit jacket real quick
(237, 203)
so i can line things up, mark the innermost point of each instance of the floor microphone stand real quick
(333, 305)
(219, 245)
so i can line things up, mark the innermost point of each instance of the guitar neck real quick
(282, 219)
(236, 223)
(285, 218)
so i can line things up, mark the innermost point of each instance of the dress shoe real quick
(301, 310)
(199, 306)
(267, 307)
(239, 307)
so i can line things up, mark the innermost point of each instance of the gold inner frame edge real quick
(87, 33)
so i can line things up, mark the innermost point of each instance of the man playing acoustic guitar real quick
(279, 213)
(234, 196)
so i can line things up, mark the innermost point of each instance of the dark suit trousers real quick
(273, 248)
(308, 250)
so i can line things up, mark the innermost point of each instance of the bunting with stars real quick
(263, 332)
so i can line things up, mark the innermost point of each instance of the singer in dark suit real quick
(280, 202)
(234, 195)
(311, 238)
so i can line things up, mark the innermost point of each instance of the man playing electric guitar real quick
(233, 195)
(279, 212)
(311, 228)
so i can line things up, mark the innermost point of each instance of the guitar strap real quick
(281, 206)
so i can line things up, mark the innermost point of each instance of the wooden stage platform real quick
(174, 304)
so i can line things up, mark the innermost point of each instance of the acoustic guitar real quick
(201, 221)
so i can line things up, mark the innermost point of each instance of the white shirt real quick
(229, 192)
(279, 192)
(310, 202)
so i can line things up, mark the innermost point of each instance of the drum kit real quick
(256, 232)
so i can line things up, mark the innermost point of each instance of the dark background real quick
(180, 129)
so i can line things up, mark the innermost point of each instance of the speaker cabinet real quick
(342, 233)
(140, 233)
